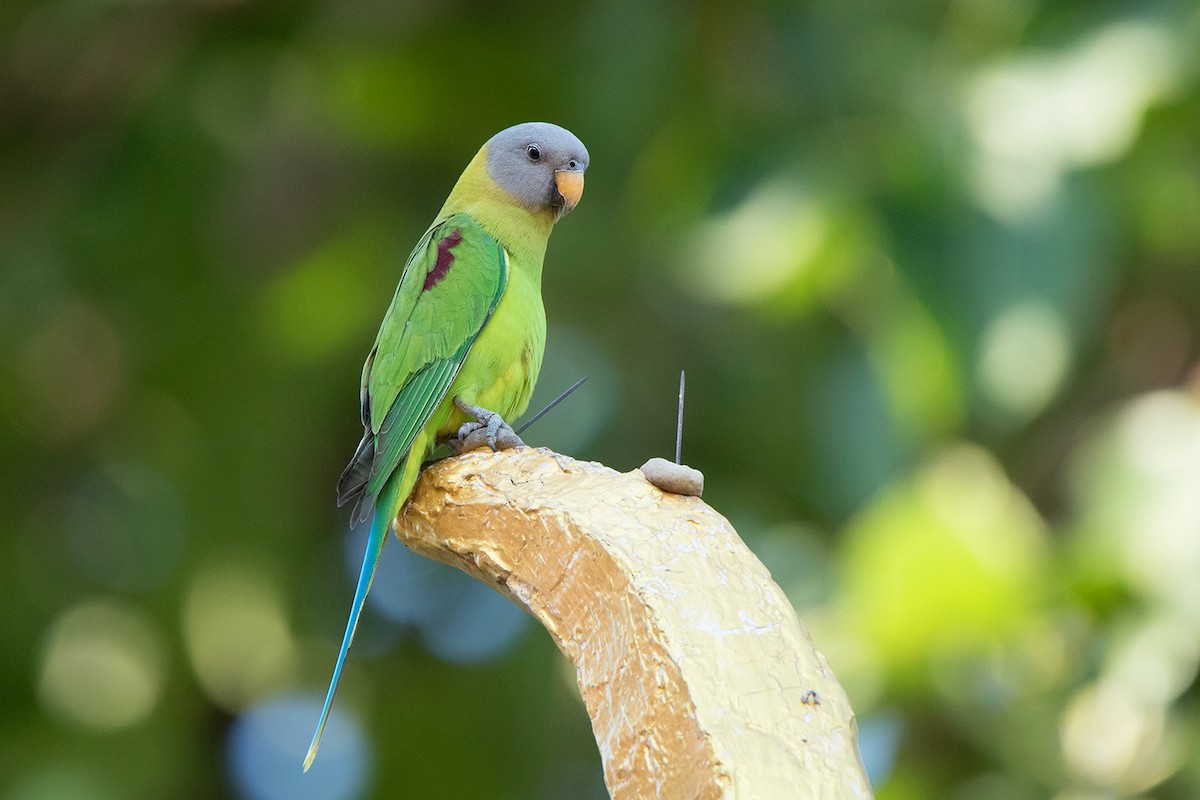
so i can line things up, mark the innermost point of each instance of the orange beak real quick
(570, 185)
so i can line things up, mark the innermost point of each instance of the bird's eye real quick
(534, 152)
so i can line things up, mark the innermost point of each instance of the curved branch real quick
(698, 676)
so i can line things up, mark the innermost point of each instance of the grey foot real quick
(489, 428)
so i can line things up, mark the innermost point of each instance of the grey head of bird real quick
(540, 164)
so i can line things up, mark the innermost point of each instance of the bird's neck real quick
(523, 233)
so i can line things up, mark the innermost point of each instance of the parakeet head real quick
(539, 164)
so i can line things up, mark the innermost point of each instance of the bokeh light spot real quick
(1156, 662)
(237, 636)
(915, 360)
(1036, 117)
(474, 624)
(757, 249)
(102, 666)
(947, 563)
(878, 741)
(1112, 739)
(266, 748)
(460, 619)
(1024, 358)
(319, 306)
(1137, 481)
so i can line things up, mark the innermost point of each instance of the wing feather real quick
(425, 337)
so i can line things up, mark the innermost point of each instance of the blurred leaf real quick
(952, 561)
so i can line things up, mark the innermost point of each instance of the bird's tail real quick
(387, 505)
(379, 529)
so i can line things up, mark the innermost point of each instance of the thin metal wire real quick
(679, 424)
(551, 405)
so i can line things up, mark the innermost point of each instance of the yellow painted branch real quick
(698, 676)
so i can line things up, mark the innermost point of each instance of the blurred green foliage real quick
(933, 269)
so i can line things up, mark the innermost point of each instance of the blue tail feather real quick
(379, 529)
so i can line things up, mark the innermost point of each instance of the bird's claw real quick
(489, 428)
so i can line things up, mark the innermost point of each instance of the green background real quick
(933, 269)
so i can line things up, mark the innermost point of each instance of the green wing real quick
(451, 284)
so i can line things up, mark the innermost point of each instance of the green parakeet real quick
(464, 334)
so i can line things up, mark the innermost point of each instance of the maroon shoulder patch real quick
(444, 259)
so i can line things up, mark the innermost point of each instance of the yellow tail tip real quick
(308, 759)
